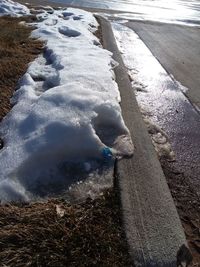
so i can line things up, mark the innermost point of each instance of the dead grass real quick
(98, 33)
(53, 233)
(57, 234)
(16, 51)
(188, 206)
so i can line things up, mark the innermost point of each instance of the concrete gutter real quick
(152, 226)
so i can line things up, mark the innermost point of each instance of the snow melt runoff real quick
(66, 123)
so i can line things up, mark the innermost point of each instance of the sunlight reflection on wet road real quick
(163, 98)
(175, 11)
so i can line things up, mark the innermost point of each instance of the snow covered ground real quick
(66, 123)
(8, 7)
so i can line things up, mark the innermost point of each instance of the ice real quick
(8, 7)
(66, 113)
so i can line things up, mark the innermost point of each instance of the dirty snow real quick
(8, 7)
(66, 123)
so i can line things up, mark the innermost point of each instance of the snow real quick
(66, 116)
(8, 7)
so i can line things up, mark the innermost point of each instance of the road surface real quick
(177, 48)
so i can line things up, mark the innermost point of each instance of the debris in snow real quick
(160, 140)
(60, 211)
(66, 111)
(8, 7)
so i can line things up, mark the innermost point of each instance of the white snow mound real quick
(66, 111)
(8, 7)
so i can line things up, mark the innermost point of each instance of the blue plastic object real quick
(107, 153)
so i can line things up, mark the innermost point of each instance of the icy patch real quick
(96, 182)
(8, 7)
(66, 125)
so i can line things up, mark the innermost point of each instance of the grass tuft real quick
(58, 234)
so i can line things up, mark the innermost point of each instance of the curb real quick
(151, 222)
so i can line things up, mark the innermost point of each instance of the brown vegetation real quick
(52, 233)
(188, 206)
(16, 51)
(57, 234)
(98, 33)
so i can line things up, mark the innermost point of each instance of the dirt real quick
(188, 206)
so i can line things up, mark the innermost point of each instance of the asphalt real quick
(70, 4)
(151, 222)
(177, 48)
(170, 109)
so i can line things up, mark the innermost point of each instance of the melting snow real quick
(149, 81)
(66, 112)
(8, 7)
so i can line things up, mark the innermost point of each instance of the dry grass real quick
(188, 206)
(98, 33)
(16, 51)
(88, 234)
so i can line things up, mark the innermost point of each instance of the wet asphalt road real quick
(150, 219)
(177, 48)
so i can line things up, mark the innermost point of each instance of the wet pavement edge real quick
(152, 225)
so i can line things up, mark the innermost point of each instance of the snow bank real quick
(66, 112)
(8, 7)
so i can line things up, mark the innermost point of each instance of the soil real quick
(188, 206)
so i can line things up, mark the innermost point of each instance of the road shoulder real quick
(152, 225)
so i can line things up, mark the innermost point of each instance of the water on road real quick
(173, 11)
(160, 93)
(163, 100)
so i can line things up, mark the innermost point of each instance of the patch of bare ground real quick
(16, 51)
(58, 234)
(188, 206)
